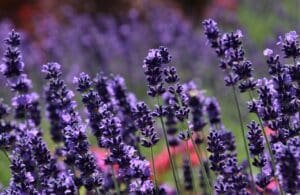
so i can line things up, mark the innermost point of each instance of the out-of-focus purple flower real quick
(26, 104)
(187, 174)
(57, 98)
(213, 111)
(123, 102)
(268, 52)
(290, 44)
(7, 136)
(196, 103)
(13, 65)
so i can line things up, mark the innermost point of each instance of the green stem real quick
(176, 166)
(206, 180)
(115, 181)
(168, 149)
(244, 139)
(204, 146)
(154, 172)
(269, 148)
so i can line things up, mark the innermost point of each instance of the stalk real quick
(269, 148)
(115, 181)
(175, 165)
(206, 180)
(154, 172)
(244, 139)
(168, 149)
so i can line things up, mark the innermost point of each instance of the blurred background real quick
(114, 37)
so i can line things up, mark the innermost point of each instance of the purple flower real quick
(153, 66)
(290, 44)
(25, 104)
(228, 47)
(145, 123)
(288, 167)
(197, 103)
(187, 174)
(213, 111)
(12, 62)
(72, 132)
(123, 102)
(256, 144)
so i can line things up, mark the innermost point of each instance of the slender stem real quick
(168, 149)
(175, 165)
(115, 181)
(269, 148)
(154, 172)
(244, 139)
(207, 182)
(205, 153)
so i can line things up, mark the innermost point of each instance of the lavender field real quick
(149, 97)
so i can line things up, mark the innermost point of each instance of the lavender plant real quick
(122, 125)
(277, 102)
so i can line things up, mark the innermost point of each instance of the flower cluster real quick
(114, 120)
(26, 105)
(190, 122)
(73, 131)
(277, 104)
(229, 49)
(223, 160)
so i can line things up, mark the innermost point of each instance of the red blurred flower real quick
(162, 161)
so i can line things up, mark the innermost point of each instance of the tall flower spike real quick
(25, 104)
(123, 102)
(229, 48)
(76, 146)
(197, 103)
(153, 66)
(107, 127)
(57, 97)
(13, 65)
